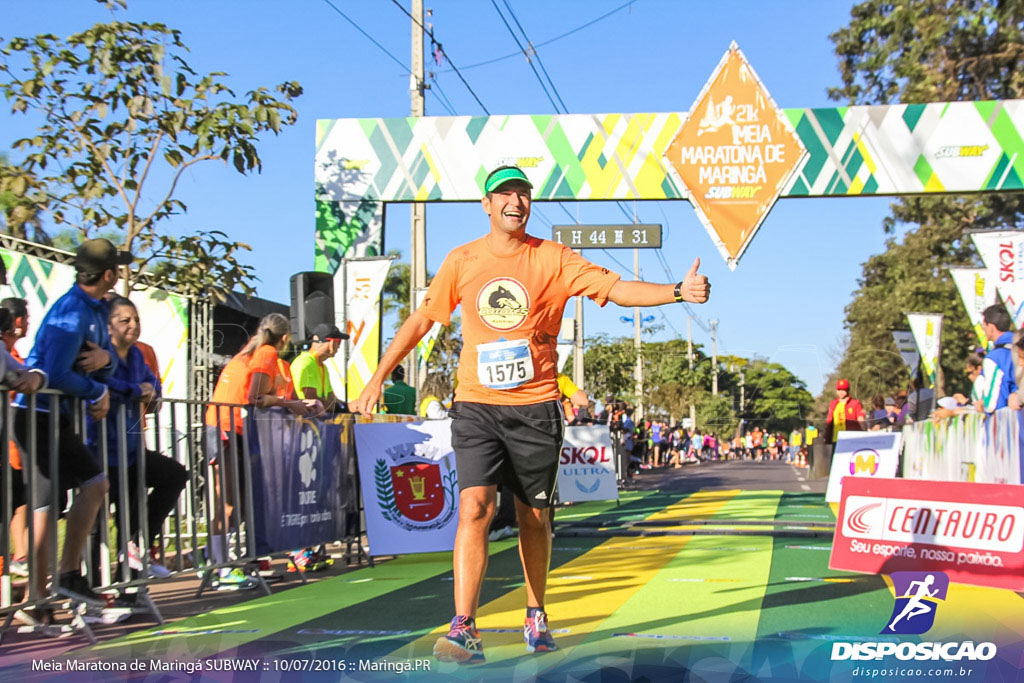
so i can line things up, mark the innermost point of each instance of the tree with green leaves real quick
(919, 51)
(123, 117)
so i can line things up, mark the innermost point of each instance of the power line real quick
(556, 38)
(527, 55)
(434, 41)
(369, 37)
(536, 54)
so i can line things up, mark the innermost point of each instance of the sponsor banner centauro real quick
(586, 467)
(1003, 254)
(972, 532)
(862, 454)
(977, 289)
(927, 330)
(409, 485)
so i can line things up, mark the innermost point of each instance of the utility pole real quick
(714, 357)
(418, 211)
(689, 341)
(639, 374)
(577, 351)
(743, 396)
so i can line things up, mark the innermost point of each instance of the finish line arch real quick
(731, 156)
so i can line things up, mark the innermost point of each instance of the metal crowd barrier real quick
(172, 432)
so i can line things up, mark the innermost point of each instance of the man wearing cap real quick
(507, 422)
(844, 413)
(73, 348)
(308, 371)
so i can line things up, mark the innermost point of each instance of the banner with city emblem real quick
(586, 467)
(1002, 251)
(298, 466)
(927, 331)
(977, 287)
(409, 485)
(862, 454)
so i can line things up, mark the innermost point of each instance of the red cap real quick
(843, 384)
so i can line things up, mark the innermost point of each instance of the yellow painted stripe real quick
(580, 594)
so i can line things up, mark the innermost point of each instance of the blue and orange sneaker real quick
(462, 644)
(535, 631)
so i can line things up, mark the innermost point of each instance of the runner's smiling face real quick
(509, 206)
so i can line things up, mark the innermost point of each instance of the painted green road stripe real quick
(289, 609)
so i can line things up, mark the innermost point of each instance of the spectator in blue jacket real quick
(73, 348)
(134, 386)
(997, 369)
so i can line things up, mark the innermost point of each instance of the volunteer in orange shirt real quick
(256, 377)
(507, 421)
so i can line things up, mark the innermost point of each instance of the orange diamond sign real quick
(734, 154)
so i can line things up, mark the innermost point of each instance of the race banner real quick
(586, 468)
(972, 532)
(904, 341)
(425, 346)
(1002, 251)
(927, 331)
(409, 485)
(978, 291)
(298, 468)
(862, 454)
(362, 281)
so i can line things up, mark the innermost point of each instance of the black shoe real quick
(75, 586)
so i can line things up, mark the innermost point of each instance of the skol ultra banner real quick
(862, 454)
(907, 349)
(977, 290)
(927, 331)
(586, 467)
(362, 281)
(409, 485)
(972, 532)
(298, 468)
(1003, 254)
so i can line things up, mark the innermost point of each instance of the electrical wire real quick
(555, 39)
(527, 55)
(440, 47)
(369, 37)
(536, 54)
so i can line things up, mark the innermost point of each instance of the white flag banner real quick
(978, 291)
(1003, 254)
(586, 467)
(410, 486)
(927, 331)
(363, 282)
(908, 349)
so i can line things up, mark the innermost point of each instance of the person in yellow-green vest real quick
(436, 388)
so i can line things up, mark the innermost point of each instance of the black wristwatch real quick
(677, 293)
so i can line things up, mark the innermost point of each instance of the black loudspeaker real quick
(312, 303)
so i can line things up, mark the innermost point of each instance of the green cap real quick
(500, 176)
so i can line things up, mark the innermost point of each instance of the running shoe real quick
(462, 644)
(19, 567)
(234, 580)
(298, 561)
(76, 587)
(105, 615)
(503, 532)
(536, 634)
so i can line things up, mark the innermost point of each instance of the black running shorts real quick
(76, 464)
(515, 446)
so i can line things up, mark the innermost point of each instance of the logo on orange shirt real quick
(503, 304)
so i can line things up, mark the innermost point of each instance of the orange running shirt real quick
(14, 455)
(509, 299)
(233, 384)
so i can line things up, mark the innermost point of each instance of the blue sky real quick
(785, 300)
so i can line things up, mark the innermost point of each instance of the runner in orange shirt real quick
(507, 421)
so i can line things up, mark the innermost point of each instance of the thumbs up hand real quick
(696, 288)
